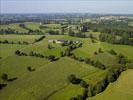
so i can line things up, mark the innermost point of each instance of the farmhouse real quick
(64, 41)
(59, 41)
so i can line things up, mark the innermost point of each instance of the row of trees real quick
(13, 31)
(96, 64)
(78, 34)
(10, 31)
(22, 25)
(53, 32)
(6, 79)
(40, 39)
(114, 40)
(100, 86)
(7, 42)
(19, 53)
(30, 69)
(71, 47)
(35, 54)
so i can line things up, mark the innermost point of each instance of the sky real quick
(67, 6)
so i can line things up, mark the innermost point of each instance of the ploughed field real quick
(49, 78)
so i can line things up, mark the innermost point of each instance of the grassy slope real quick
(88, 50)
(47, 74)
(16, 38)
(14, 26)
(124, 49)
(8, 49)
(49, 80)
(120, 90)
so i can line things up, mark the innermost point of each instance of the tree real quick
(4, 77)
(84, 28)
(122, 59)
(68, 52)
(83, 84)
(87, 61)
(49, 46)
(91, 36)
(5, 41)
(80, 97)
(95, 53)
(98, 64)
(17, 52)
(62, 54)
(90, 91)
(51, 57)
(112, 52)
(73, 79)
(71, 33)
(2, 85)
(30, 69)
(100, 50)
(97, 89)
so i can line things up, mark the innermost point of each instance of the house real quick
(64, 41)
(58, 41)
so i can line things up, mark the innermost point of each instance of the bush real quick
(51, 58)
(99, 65)
(80, 97)
(2, 86)
(100, 50)
(39, 39)
(112, 52)
(83, 84)
(4, 77)
(29, 68)
(97, 88)
(49, 46)
(122, 59)
(72, 79)
(62, 54)
(87, 61)
(95, 53)
(17, 52)
(12, 79)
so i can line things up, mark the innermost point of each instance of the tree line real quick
(8, 42)
(35, 54)
(92, 90)
(124, 39)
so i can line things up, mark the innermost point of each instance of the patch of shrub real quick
(12, 79)
(112, 52)
(73, 79)
(29, 68)
(39, 39)
(83, 84)
(2, 86)
(4, 77)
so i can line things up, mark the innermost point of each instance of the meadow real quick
(49, 80)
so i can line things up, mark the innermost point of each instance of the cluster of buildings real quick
(64, 41)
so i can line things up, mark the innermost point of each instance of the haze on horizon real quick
(67, 6)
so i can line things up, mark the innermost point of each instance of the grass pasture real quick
(14, 26)
(21, 38)
(49, 80)
(120, 90)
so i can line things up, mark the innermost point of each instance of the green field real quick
(21, 38)
(14, 26)
(120, 90)
(49, 80)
